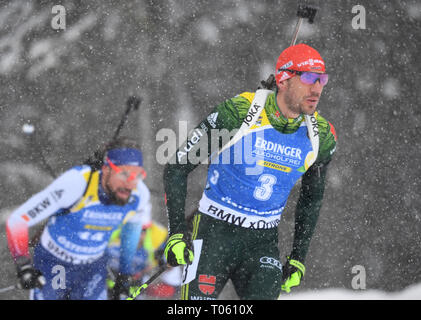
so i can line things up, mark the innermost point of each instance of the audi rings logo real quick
(270, 262)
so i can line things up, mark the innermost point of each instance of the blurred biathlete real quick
(83, 206)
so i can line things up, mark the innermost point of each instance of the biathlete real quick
(278, 137)
(83, 207)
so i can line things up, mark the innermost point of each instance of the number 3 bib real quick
(248, 184)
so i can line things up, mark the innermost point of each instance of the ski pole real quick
(147, 283)
(133, 102)
(29, 130)
(305, 11)
(7, 289)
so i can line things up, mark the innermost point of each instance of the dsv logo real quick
(270, 262)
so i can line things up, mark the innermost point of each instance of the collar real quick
(102, 195)
(278, 120)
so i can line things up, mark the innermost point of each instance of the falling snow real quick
(185, 57)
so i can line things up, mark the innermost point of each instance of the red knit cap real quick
(300, 57)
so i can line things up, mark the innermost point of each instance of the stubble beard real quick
(113, 196)
(296, 106)
(291, 103)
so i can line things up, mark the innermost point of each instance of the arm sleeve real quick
(307, 210)
(132, 229)
(130, 236)
(311, 193)
(61, 193)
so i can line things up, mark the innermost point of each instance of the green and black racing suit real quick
(238, 215)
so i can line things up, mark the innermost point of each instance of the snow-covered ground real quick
(410, 293)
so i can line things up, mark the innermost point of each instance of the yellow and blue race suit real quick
(81, 219)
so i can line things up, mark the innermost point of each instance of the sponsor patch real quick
(333, 131)
(252, 111)
(287, 65)
(268, 262)
(57, 194)
(38, 209)
(284, 76)
(272, 165)
(212, 119)
(195, 138)
(310, 62)
(207, 284)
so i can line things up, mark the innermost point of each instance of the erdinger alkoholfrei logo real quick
(207, 284)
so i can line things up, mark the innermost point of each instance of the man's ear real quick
(104, 168)
(282, 86)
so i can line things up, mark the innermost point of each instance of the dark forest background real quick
(184, 57)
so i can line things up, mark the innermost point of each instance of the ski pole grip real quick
(134, 102)
(307, 11)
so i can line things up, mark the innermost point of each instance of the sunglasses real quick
(310, 77)
(125, 175)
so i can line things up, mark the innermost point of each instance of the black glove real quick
(121, 287)
(269, 83)
(28, 276)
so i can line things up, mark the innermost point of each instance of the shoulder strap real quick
(67, 210)
(256, 108)
(253, 114)
(313, 134)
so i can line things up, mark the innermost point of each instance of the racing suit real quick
(247, 188)
(81, 219)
